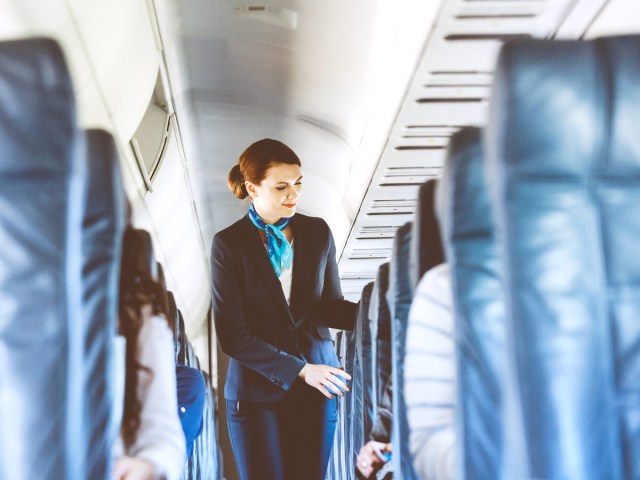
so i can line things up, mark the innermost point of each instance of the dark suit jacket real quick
(268, 340)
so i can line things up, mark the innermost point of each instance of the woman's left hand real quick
(130, 468)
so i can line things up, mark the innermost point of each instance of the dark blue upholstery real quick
(468, 235)
(103, 227)
(366, 360)
(399, 296)
(351, 448)
(426, 246)
(337, 464)
(41, 201)
(359, 413)
(565, 157)
(381, 329)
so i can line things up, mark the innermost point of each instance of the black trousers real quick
(286, 440)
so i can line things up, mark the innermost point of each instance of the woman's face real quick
(277, 195)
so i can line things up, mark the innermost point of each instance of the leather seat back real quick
(469, 240)
(399, 296)
(426, 244)
(565, 158)
(366, 358)
(42, 174)
(103, 227)
(381, 329)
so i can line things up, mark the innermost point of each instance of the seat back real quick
(381, 330)
(468, 236)
(399, 295)
(365, 350)
(103, 227)
(426, 246)
(565, 157)
(41, 201)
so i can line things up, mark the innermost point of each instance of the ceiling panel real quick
(451, 88)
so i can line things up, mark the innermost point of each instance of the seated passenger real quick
(430, 376)
(151, 444)
(377, 452)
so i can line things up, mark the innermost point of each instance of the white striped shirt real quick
(430, 376)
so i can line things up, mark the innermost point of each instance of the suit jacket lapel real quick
(301, 243)
(261, 258)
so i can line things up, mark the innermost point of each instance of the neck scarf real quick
(278, 247)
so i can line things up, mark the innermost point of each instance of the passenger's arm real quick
(336, 311)
(430, 377)
(381, 430)
(372, 455)
(234, 336)
(160, 439)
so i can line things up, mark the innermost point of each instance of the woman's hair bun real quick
(235, 181)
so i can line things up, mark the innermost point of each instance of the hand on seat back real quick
(325, 379)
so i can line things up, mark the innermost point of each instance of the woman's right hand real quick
(325, 379)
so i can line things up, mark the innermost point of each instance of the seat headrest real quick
(378, 295)
(37, 109)
(140, 240)
(559, 108)
(426, 245)
(399, 276)
(461, 194)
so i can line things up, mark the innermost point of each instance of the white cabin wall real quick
(114, 58)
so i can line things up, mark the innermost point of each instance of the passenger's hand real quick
(371, 457)
(130, 468)
(325, 379)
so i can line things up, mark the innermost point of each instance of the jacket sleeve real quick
(336, 311)
(234, 336)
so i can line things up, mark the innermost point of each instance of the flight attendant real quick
(275, 293)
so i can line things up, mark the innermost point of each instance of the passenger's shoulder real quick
(435, 285)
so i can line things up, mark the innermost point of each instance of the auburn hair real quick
(138, 288)
(254, 163)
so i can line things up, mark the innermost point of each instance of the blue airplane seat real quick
(351, 449)
(467, 229)
(359, 412)
(183, 350)
(103, 228)
(337, 467)
(42, 175)
(399, 296)
(165, 292)
(172, 310)
(564, 153)
(381, 330)
(366, 359)
(426, 246)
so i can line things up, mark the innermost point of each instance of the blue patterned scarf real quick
(278, 247)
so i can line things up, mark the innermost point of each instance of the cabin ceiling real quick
(308, 74)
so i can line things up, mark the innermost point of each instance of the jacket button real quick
(291, 328)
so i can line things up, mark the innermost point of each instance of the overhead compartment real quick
(150, 140)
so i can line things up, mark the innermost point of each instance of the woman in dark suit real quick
(275, 293)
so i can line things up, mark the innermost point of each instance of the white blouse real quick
(285, 279)
(286, 276)
(160, 439)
